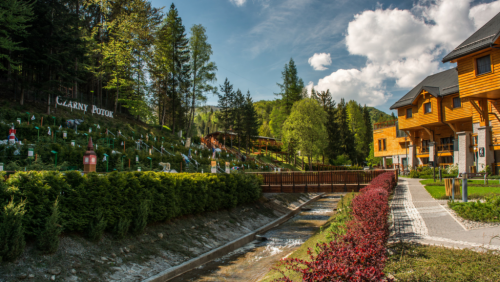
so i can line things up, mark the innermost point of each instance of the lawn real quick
(412, 262)
(476, 189)
(301, 252)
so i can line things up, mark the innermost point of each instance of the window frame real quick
(477, 65)
(478, 56)
(382, 144)
(430, 110)
(453, 102)
(411, 112)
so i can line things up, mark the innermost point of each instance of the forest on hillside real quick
(124, 56)
(347, 127)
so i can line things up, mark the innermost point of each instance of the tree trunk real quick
(117, 92)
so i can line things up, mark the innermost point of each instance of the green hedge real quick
(119, 194)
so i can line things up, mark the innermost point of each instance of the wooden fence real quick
(318, 181)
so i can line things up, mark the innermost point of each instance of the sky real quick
(372, 52)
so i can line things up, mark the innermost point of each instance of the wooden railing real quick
(445, 148)
(495, 137)
(319, 177)
(385, 124)
(423, 150)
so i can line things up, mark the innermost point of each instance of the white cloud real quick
(319, 60)
(404, 46)
(238, 3)
(484, 12)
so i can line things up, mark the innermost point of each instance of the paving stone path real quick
(417, 217)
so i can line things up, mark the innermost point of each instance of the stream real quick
(254, 260)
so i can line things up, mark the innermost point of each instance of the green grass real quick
(412, 262)
(437, 190)
(487, 210)
(317, 237)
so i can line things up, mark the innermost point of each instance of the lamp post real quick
(54, 152)
(36, 127)
(150, 163)
(107, 161)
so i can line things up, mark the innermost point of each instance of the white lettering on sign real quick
(83, 107)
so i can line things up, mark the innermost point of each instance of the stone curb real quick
(223, 250)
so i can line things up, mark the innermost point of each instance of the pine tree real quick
(226, 102)
(368, 138)
(250, 120)
(48, 240)
(202, 70)
(14, 18)
(180, 69)
(291, 87)
(346, 137)
(238, 114)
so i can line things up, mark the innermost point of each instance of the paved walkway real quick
(419, 218)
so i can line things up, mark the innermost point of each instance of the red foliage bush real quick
(360, 254)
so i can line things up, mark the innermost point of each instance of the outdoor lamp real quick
(36, 127)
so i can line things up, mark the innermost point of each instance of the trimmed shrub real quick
(48, 241)
(121, 228)
(359, 254)
(97, 226)
(94, 203)
(12, 231)
(141, 217)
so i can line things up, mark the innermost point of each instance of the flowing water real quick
(253, 261)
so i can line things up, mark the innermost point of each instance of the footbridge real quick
(318, 181)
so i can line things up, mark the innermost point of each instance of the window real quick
(457, 103)
(427, 108)
(382, 145)
(483, 65)
(408, 113)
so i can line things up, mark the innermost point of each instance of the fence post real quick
(281, 182)
(345, 182)
(307, 176)
(331, 180)
(357, 178)
(293, 181)
(319, 179)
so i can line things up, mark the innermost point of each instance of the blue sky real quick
(369, 51)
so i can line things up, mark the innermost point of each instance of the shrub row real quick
(93, 203)
(359, 254)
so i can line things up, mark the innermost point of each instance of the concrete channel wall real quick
(223, 250)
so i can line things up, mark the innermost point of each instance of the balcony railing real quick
(445, 148)
(385, 124)
(423, 150)
(495, 137)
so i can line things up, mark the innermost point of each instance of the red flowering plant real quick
(359, 254)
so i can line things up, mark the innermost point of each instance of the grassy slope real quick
(301, 252)
(410, 262)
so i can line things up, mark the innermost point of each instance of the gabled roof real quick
(481, 39)
(438, 85)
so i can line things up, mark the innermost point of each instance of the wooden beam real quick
(479, 111)
(452, 127)
(429, 132)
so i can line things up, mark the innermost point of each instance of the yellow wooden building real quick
(451, 117)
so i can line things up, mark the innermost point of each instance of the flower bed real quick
(359, 254)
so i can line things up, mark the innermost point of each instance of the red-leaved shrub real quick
(360, 254)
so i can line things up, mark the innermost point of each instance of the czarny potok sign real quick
(83, 107)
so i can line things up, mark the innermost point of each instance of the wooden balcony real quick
(495, 140)
(445, 150)
(385, 124)
(423, 152)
